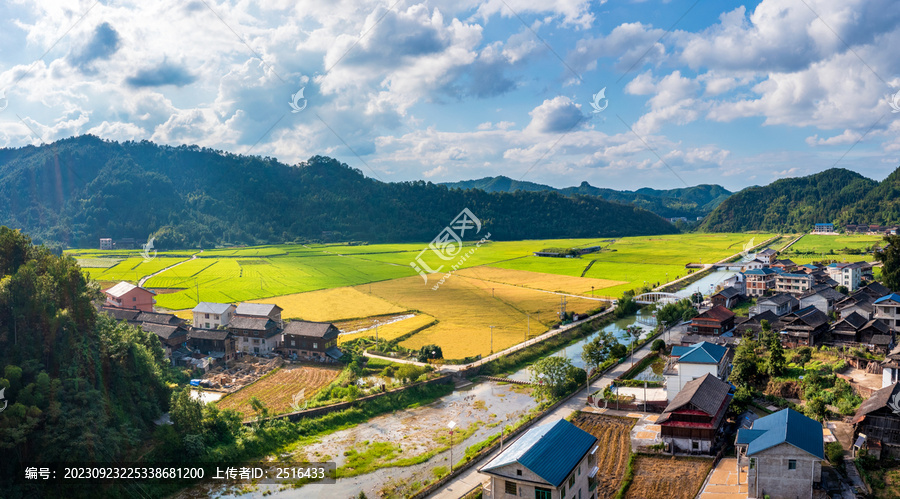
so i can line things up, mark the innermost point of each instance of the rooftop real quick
(551, 451)
(706, 393)
(894, 297)
(313, 329)
(124, 287)
(257, 309)
(700, 353)
(784, 426)
(205, 307)
(888, 396)
(718, 313)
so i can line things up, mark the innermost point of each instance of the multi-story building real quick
(311, 341)
(825, 228)
(127, 295)
(887, 308)
(793, 283)
(692, 420)
(551, 461)
(686, 364)
(716, 320)
(209, 315)
(783, 454)
(759, 281)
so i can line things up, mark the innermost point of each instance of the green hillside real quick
(77, 190)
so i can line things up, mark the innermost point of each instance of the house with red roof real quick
(716, 320)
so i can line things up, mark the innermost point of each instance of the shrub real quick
(658, 345)
(834, 452)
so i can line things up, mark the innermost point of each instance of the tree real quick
(842, 289)
(594, 352)
(815, 408)
(745, 369)
(549, 374)
(429, 352)
(186, 412)
(658, 345)
(776, 363)
(889, 256)
(617, 350)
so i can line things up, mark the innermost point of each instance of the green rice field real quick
(813, 247)
(238, 274)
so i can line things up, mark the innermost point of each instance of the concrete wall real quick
(686, 445)
(214, 320)
(772, 475)
(818, 301)
(889, 376)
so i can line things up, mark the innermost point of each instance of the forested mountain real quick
(78, 387)
(77, 190)
(880, 206)
(690, 202)
(795, 204)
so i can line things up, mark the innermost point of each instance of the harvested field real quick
(242, 373)
(540, 280)
(614, 442)
(332, 305)
(669, 477)
(278, 389)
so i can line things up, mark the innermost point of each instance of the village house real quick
(737, 282)
(218, 344)
(171, 336)
(689, 363)
(716, 320)
(256, 335)
(876, 424)
(887, 308)
(822, 297)
(759, 281)
(754, 264)
(550, 461)
(784, 265)
(209, 315)
(793, 283)
(779, 305)
(783, 454)
(877, 336)
(859, 302)
(693, 420)
(260, 310)
(845, 332)
(890, 373)
(311, 341)
(106, 243)
(726, 297)
(751, 326)
(170, 329)
(766, 256)
(823, 228)
(127, 295)
(805, 327)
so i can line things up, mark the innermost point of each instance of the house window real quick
(562, 491)
(571, 481)
(541, 493)
(792, 464)
(315, 346)
(292, 343)
(519, 472)
(695, 445)
(134, 298)
(510, 488)
(207, 325)
(207, 316)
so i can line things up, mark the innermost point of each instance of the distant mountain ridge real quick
(77, 190)
(689, 202)
(795, 204)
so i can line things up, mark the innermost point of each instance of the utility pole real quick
(528, 331)
(492, 338)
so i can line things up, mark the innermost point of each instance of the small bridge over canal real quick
(656, 297)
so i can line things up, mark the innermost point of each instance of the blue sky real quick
(696, 92)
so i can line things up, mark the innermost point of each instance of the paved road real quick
(469, 479)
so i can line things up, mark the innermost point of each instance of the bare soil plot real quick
(614, 442)
(277, 390)
(669, 477)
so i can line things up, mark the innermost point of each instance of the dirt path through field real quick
(148, 277)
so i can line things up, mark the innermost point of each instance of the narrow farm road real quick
(471, 479)
(148, 277)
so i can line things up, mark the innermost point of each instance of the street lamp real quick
(376, 333)
(450, 425)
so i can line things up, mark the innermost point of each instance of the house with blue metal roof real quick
(783, 454)
(688, 363)
(549, 461)
(887, 309)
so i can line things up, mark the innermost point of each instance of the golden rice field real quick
(390, 331)
(336, 304)
(466, 307)
(277, 390)
(540, 280)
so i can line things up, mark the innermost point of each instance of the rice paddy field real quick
(815, 247)
(498, 284)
